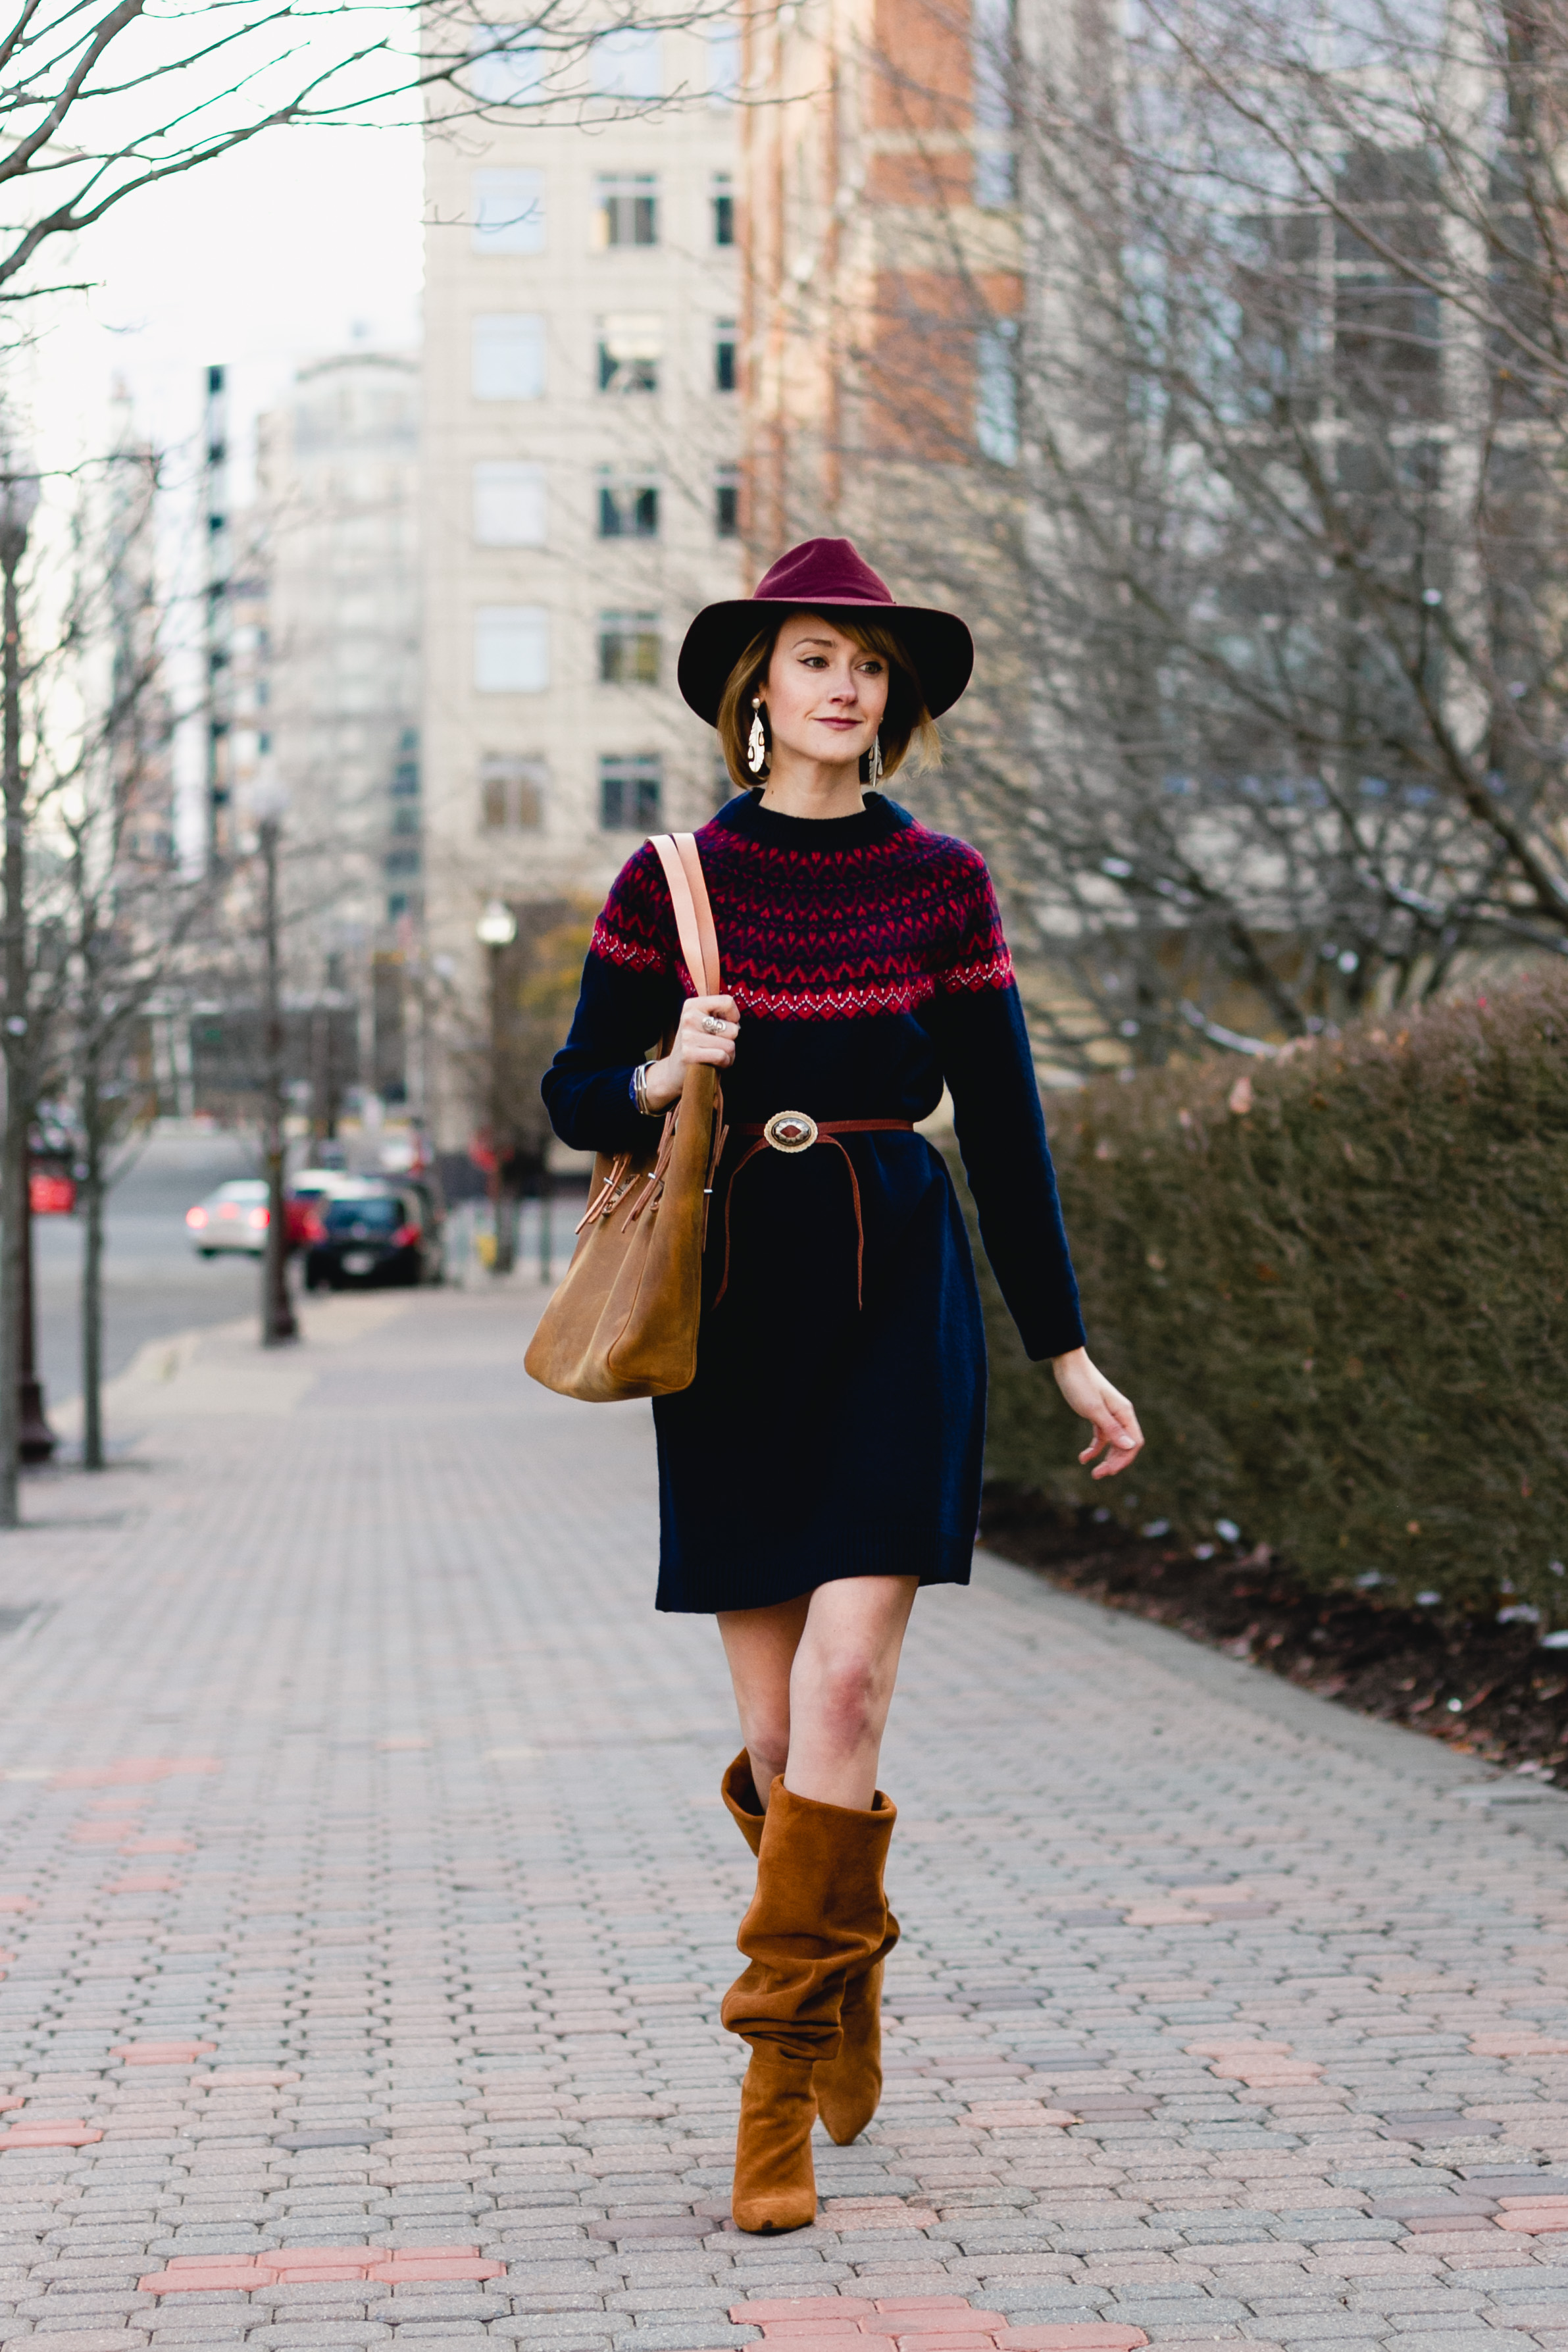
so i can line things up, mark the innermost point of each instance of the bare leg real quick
(760, 1645)
(813, 1682)
(841, 1686)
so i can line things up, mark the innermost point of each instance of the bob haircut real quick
(906, 721)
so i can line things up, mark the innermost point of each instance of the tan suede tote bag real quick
(624, 1321)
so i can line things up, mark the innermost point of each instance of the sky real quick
(300, 243)
(297, 245)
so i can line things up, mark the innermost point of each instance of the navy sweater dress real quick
(836, 1423)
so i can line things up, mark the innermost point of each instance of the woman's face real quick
(825, 695)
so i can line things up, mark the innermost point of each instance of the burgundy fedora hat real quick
(828, 576)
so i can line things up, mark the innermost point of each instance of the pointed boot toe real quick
(849, 2087)
(775, 2184)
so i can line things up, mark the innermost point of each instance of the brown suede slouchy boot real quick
(818, 1917)
(849, 2086)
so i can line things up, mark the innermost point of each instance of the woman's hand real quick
(1092, 1398)
(695, 1042)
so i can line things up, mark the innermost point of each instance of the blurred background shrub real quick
(1334, 1285)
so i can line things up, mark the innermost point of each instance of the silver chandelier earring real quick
(757, 742)
(874, 762)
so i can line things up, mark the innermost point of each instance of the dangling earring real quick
(874, 762)
(757, 742)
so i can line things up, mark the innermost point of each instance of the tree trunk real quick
(14, 1148)
(277, 1323)
(92, 1273)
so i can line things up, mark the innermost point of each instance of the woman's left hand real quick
(1110, 1413)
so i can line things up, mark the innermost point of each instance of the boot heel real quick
(775, 2181)
(849, 2086)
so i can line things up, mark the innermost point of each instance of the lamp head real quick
(497, 926)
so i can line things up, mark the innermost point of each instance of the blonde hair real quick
(906, 722)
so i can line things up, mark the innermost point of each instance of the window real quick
(724, 355)
(630, 348)
(508, 355)
(405, 780)
(627, 209)
(630, 791)
(628, 505)
(723, 63)
(506, 67)
(991, 72)
(996, 392)
(723, 202)
(511, 793)
(995, 180)
(727, 502)
(629, 649)
(509, 504)
(508, 212)
(511, 649)
(625, 64)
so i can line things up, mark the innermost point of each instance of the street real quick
(153, 1281)
(368, 1898)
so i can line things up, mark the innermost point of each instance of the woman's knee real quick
(848, 1696)
(766, 1737)
(767, 1764)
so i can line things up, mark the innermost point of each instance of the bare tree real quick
(98, 102)
(112, 898)
(1240, 408)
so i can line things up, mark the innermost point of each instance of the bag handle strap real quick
(677, 853)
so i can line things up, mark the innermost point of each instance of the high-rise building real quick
(583, 294)
(335, 704)
(883, 252)
(885, 275)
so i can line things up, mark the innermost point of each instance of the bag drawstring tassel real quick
(603, 1200)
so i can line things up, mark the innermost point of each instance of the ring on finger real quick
(714, 1027)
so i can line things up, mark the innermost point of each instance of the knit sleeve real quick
(629, 997)
(976, 1022)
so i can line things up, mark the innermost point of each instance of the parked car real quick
(426, 1190)
(232, 1218)
(312, 1186)
(371, 1233)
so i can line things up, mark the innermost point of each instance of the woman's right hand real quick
(694, 1044)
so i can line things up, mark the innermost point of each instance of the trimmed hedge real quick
(1334, 1286)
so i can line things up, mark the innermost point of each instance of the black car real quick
(374, 1236)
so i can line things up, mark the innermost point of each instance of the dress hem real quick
(939, 1560)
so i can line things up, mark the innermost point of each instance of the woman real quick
(826, 1461)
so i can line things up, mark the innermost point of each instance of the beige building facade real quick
(581, 443)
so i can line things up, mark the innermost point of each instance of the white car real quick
(232, 1218)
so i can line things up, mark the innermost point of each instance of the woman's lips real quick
(843, 723)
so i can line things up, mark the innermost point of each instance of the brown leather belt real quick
(791, 1131)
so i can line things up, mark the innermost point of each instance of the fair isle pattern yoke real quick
(822, 935)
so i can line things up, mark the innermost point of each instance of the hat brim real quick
(940, 648)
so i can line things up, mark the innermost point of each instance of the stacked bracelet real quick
(639, 1089)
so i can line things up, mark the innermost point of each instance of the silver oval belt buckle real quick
(791, 1131)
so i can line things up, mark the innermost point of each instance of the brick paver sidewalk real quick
(367, 1898)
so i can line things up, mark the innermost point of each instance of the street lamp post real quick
(495, 930)
(278, 1326)
(18, 504)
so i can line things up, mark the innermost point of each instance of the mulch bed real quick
(1485, 1689)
